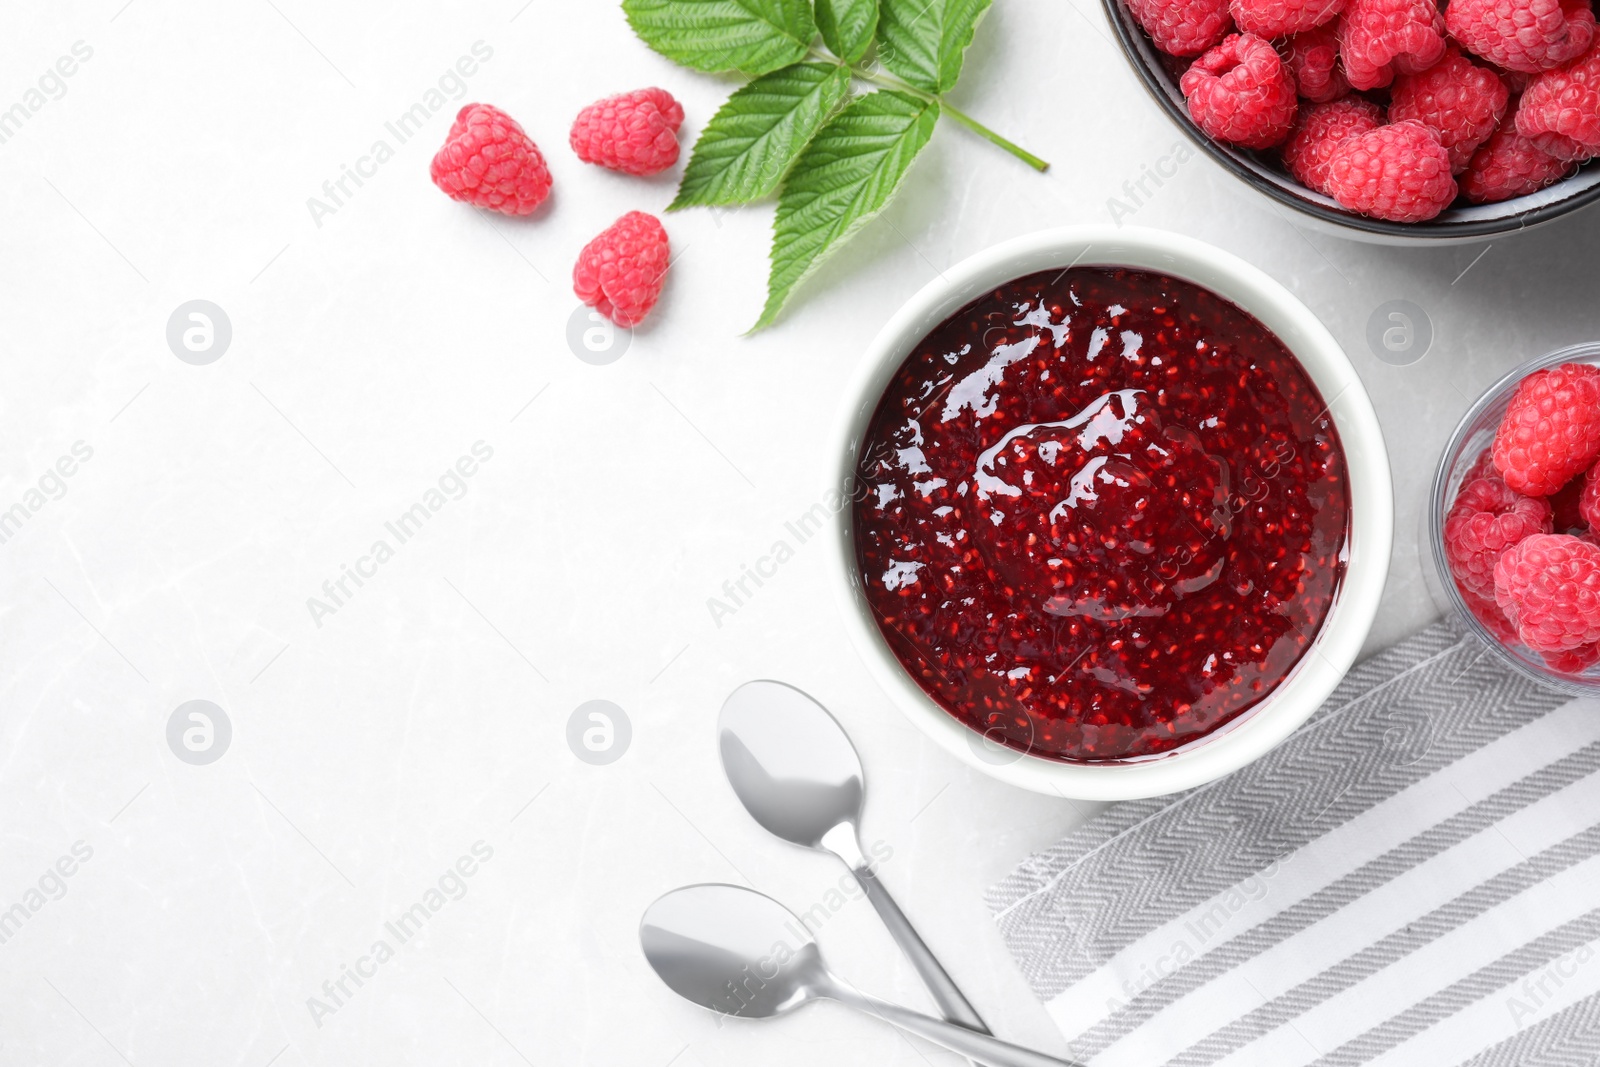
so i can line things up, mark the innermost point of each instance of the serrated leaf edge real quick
(771, 312)
(852, 56)
(679, 203)
(802, 45)
(938, 51)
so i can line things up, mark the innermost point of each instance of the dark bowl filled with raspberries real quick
(1514, 522)
(1396, 121)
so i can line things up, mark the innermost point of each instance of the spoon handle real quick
(952, 1003)
(981, 1047)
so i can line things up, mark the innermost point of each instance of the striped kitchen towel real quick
(1412, 879)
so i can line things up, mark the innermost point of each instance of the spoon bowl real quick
(741, 953)
(792, 766)
(724, 948)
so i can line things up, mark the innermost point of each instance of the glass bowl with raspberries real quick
(1397, 121)
(1514, 519)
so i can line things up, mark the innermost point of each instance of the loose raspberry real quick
(620, 273)
(1280, 18)
(1486, 520)
(1241, 93)
(1398, 172)
(1524, 35)
(1575, 661)
(1313, 60)
(636, 133)
(1319, 130)
(1549, 587)
(1560, 112)
(1511, 165)
(1381, 38)
(488, 162)
(1551, 429)
(1456, 99)
(1486, 611)
(1183, 27)
(1589, 499)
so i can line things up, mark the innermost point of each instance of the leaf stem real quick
(986, 133)
(959, 116)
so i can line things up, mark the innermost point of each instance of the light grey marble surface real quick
(371, 347)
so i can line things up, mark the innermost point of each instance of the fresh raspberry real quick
(620, 273)
(1574, 661)
(1486, 520)
(1589, 499)
(1313, 60)
(1280, 18)
(1456, 99)
(636, 133)
(1398, 172)
(1488, 612)
(1241, 93)
(1319, 130)
(1525, 35)
(1549, 587)
(1551, 429)
(488, 162)
(1381, 38)
(1560, 112)
(1510, 165)
(1183, 27)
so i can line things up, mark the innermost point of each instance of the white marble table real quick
(372, 346)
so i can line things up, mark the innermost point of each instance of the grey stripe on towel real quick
(1569, 1038)
(1539, 952)
(1319, 905)
(1446, 706)
(1396, 946)
(1072, 911)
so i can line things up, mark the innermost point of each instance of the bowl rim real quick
(1369, 545)
(1133, 43)
(1442, 493)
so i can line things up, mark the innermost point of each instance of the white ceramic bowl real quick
(1372, 507)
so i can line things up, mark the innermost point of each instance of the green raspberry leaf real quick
(923, 42)
(753, 36)
(845, 176)
(754, 138)
(847, 26)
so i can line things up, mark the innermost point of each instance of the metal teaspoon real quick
(796, 772)
(741, 953)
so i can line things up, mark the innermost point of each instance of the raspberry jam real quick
(1102, 513)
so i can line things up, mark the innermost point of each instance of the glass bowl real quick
(1474, 434)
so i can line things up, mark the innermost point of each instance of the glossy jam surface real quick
(1102, 513)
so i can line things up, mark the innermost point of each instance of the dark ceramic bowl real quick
(1260, 171)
